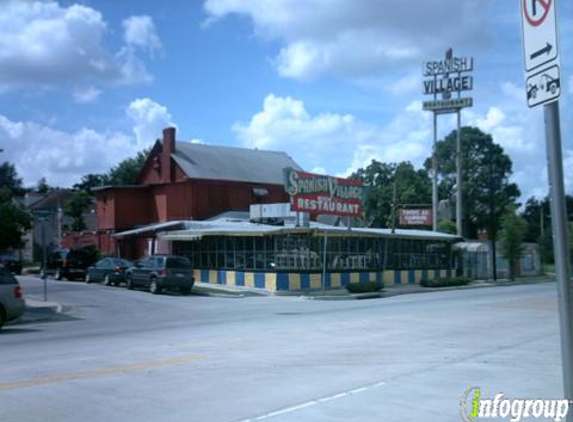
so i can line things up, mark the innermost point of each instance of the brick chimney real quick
(168, 149)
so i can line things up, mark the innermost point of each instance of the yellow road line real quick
(111, 370)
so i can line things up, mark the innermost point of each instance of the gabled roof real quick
(200, 161)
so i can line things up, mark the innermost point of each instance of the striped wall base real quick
(302, 281)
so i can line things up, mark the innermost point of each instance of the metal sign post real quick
(43, 215)
(543, 86)
(560, 241)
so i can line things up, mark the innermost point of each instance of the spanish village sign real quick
(319, 194)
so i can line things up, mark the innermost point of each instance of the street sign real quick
(543, 87)
(539, 33)
(541, 51)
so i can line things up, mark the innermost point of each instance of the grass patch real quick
(446, 282)
(365, 287)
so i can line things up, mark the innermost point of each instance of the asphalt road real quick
(118, 355)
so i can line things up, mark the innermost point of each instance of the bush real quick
(446, 282)
(365, 287)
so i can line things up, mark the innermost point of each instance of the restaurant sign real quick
(319, 194)
(416, 217)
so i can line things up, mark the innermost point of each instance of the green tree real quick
(42, 186)
(486, 170)
(14, 220)
(513, 230)
(75, 207)
(90, 181)
(412, 187)
(447, 226)
(126, 172)
(10, 183)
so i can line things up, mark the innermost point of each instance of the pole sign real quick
(416, 217)
(448, 76)
(541, 51)
(319, 194)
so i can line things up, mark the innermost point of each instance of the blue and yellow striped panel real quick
(301, 281)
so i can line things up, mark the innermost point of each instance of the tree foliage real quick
(90, 181)
(513, 230)
(125, 173)
(447, 226)
(412, 187)
(75, 207)
(14, 220)
(486, 170)
(10, 183)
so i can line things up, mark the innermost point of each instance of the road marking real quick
(311, 403)
(111, 370)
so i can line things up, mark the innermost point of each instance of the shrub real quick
(365, 287)
(445, 282)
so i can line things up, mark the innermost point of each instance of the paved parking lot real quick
(125, 355)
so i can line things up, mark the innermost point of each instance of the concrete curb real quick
(37, 311)
(397, 291)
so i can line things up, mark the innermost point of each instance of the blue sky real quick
(335, 83)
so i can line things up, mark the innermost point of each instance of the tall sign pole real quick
(459, 178)
(543, 87)
(450, 75)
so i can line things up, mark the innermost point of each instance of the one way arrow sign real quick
(545, 50)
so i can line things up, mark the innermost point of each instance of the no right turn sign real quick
(541, 51)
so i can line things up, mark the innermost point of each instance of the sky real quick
(334, 83)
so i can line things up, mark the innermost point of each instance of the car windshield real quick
(122, 263)
(178, 262)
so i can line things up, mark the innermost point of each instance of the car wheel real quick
(129, 281)
(58, 275)
(553, 88)
(106, 280)
(88, 280)
(154, 287)
(2, 317)
(184, 290)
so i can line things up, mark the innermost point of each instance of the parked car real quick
(11, 301)
(12, 262)
(71, 264)
(161, 272)
(109, 270)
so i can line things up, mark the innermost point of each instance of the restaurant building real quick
(242, 217)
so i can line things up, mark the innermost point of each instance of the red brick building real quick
(187, 181)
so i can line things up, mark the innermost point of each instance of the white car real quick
(12, 303)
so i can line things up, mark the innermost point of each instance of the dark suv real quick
(71, 264)
(11, 261)
(160, 272)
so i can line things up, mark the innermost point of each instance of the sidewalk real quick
(37, 310)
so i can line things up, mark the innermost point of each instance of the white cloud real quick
(140, 31)
(86, 95)
(149, 119)
(342, 141)
(358, 38)
(339, 144)
(61, 157)
(46, 44)
(64, 157)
